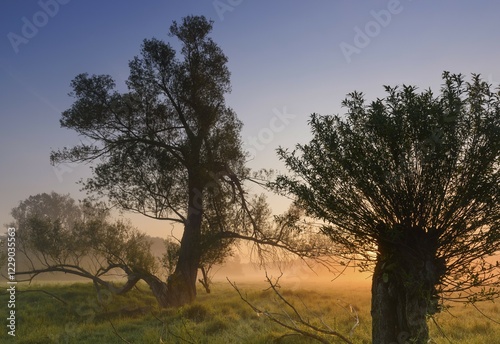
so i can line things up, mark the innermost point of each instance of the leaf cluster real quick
(414, 170)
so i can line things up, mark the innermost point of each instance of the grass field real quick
(72, 314)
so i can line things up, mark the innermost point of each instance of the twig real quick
(275, 285)
(173, 334)
(441, 330)
(355, 316)
(483, 314)
(295, 322)
(117, 334)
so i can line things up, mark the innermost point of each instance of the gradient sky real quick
(284, 56)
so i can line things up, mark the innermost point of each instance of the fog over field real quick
(233, 171)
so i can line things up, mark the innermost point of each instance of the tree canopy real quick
(167, 147)
(171, 125)
(168, 144)
(410, 183)
(170, 148)
(56, 234)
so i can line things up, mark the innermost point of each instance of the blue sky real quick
(288, 59)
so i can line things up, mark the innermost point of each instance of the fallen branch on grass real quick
(294, 321)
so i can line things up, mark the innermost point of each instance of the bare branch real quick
(298, 324)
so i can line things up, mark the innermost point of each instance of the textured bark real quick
(181, 285)
(159, 290)
(404, 292)
(398, 311)
(384, 309)
(173, 293)
(180, 288)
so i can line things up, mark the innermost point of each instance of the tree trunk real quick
(159, 290)
(403, 295)
(181, 285)
(399, 311)
(404, 284)
(205, 280)
(167, 294)
(180, 288)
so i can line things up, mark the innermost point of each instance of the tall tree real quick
(409, 183)
(167, 144)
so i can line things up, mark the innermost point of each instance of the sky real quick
(288, 59)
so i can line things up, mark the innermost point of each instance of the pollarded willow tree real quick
(410, 184)
(167, 145)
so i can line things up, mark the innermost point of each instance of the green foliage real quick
(169, 259)
(408, 185)
(56, 234)
(216, 249)
(413, 176)
(168, 146)
(171, 126)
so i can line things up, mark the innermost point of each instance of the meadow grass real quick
(73, 314)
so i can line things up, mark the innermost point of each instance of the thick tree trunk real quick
(399, 310)
(404, 290)
(168, 294)
(181, 285)
(159, 290)
(180, 288)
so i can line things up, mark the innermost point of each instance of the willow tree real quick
(167, 144)
(55, 234)
(409, 184)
